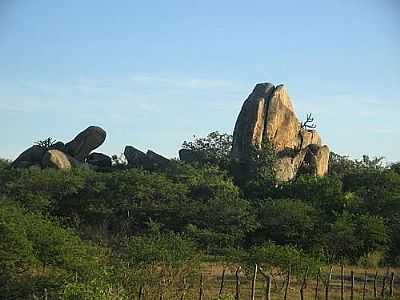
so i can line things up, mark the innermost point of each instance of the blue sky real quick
(153, 73)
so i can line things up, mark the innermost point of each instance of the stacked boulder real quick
(268, 115)
(66, 156)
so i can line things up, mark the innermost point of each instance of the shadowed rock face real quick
(30, 157)
(99, 160)
(85, 142)
(149, 161)
(268, 115)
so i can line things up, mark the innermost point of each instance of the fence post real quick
(352, 285)
(201, 292)
(328, 283)
(253, 283)
(237, 297)
(184, 289)
(342, 283)
(304, 283)
(375, 285)
(317, 285)
(392, 285)
(268, 288)
(365, 285)
(222, 284)
(141, 293)
(45, 294)
(384, 284)
(288, 282)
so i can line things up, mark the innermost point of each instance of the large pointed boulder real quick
(268, 115)
(249, 128)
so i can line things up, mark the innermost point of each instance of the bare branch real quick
(308, 124)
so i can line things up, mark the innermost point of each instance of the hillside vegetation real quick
(87, 234)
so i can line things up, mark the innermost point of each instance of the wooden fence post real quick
(268, 288)
(288, 282)
(328, 283)
(303, 284)
(392, 285)
(237, 297)
(184, 289)
(342, 283)
(45, 294)
(384, 284)
(141, 293)
(375, 285)
(222, 284)
(352, 285)
(253, 283)
(201, 292)
(365, 285)
(317, 285)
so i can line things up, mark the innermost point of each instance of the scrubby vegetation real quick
(100, 235)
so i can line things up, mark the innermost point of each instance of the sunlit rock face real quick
(268, 115)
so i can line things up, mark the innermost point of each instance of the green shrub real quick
(270, 256)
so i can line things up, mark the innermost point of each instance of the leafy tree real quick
(342, 165)
(215, 147)
(353, 236)
(395, 167)
(270, 255)
(380, 190)
(324, 193)
(257, 175)
(288, 222)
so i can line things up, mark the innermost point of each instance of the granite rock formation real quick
(268, 115)
(149, 160)
(66, 156)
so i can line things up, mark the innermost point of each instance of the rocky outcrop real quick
(58, 160)
(65, 156)
(99, 160)
(268, 115)
(85, 142)
(149, 161)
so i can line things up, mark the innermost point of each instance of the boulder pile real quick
(66, 156)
